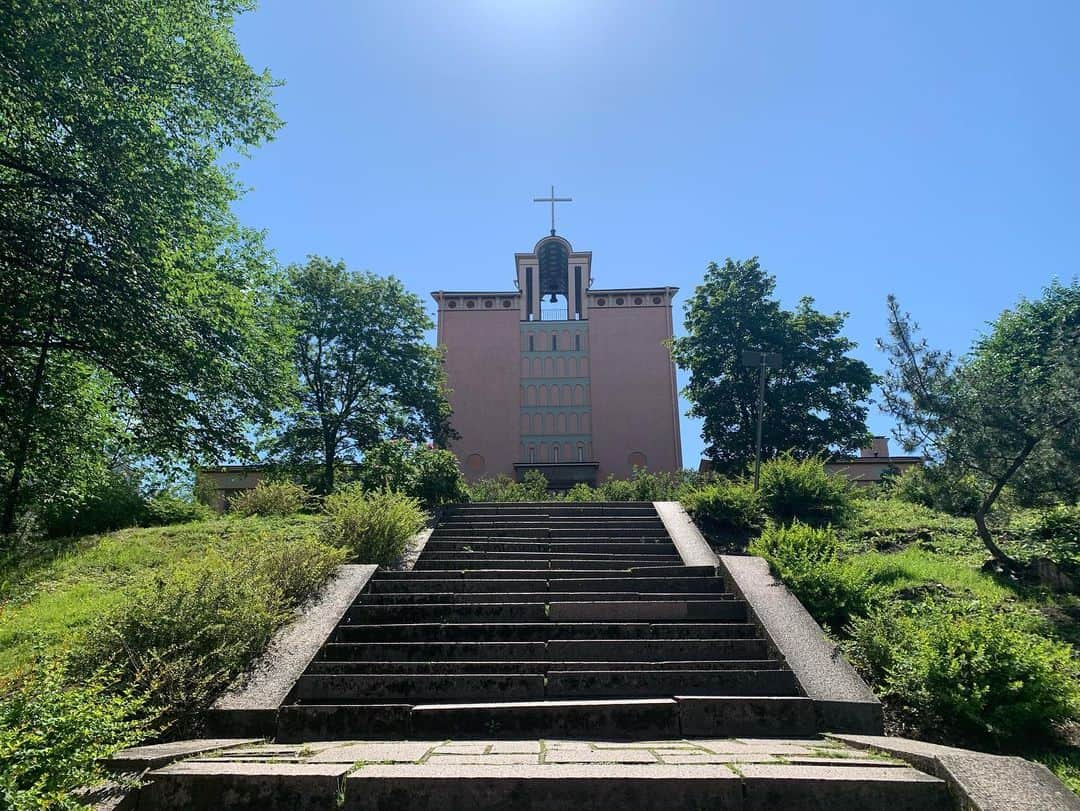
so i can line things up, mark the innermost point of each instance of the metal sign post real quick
(762, 360)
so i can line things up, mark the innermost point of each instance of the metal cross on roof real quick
(553, 200)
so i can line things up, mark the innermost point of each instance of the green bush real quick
(810, 562)
(438, 478)
(800, 489)
(497, 488)
(113, 503)
(969, 667)
(373, 526)
(644, 485)
(1061, 525)
(169, 508)
(428, 474)
(939, 488)
(269, 498)
(726, 504)
(535, 486)
(53, 731)
(582, 492)
(184, 635)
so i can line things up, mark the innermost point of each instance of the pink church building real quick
(559, 376)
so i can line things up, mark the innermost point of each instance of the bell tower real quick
(558, 376)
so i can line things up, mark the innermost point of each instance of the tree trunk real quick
(329, 460)
(22, 451)
(1008, 562)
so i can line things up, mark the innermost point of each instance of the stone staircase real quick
(544, 619)
(541, 656)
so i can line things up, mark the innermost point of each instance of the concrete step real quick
(432, 651)
(545, 573)
(555, 562)
(463, 597)
(322, 666)
(625, 683)
(703, 633)
(548, 524)
(648, 608)
(595, 547)
(369, 688)
(325, 688)
(622, 582)
(649, 719)
(567, 607)
(617, 554)
(448, 612)
(584, 650)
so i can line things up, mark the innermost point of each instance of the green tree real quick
(815, 402)
(118, 249)
(1008, 412)
(365, 372)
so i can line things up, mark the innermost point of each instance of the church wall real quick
(483, 369)
(633, 389)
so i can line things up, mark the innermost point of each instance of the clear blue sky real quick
(926, 149)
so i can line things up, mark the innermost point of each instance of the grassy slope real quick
(907, 547)
(47, 599)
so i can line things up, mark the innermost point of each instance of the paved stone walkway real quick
(729, 751)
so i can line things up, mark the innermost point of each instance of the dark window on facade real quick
(554, 343)
(577, 291)
(577, 343)
(528, 293)
(531, 344)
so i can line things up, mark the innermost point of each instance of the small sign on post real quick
(763, 361)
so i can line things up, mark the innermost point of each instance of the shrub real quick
(939, 488)
(612, 489)
(644, 485)
(270, 498)
(373, 527)
(54, 730)
(497, 488)
(1060, 524)
(113, 503)
(184, 635)
(428, 474)
(582, 492)
(969, 667)
(169, 508)
(535, 486)
(726, 504)
(438, 478)
(810, 562)
(801, 489)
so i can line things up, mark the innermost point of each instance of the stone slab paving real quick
(546, 774)
(539, 752)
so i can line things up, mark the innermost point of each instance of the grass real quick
(53, 594)
(913, 568)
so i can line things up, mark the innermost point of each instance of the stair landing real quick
(542, 774)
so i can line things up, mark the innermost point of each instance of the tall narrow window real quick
(532, 454)
(554, 453)
(577, 342)
(528, 293)
(577, 291)
(554, 342)
(581, 453)
(531, 343)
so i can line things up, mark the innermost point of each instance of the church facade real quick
(558, 376)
